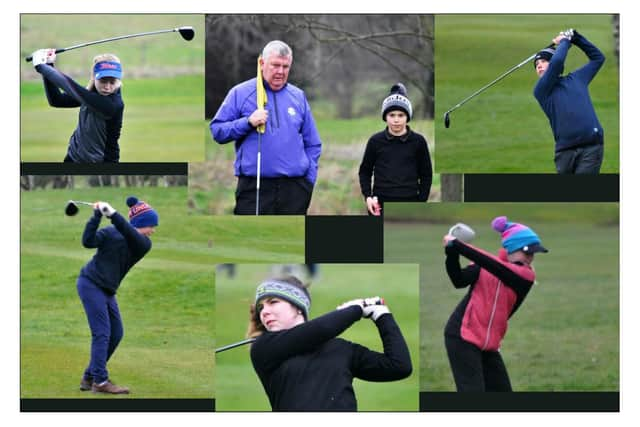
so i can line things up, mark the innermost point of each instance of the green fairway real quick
(565, 337)
(162, 89)
(238, 387)
(504, 129)
(337, 190)
(167, 300)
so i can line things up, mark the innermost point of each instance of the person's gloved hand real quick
(375, 311)
(106, 209)
(355, 302)
(40, 56)
(568, 33)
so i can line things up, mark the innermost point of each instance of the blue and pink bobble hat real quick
(141, 214)
(517, 236)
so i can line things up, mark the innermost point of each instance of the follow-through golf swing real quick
(96, 137)
(302, 364)
(447, 117)
(497, 287)
(119, 247)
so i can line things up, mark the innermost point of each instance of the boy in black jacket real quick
(120, 247)
(397, 158)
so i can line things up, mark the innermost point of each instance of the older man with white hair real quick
(289, 147)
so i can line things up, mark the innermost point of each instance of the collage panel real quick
(117, 297)
(495, 113)
(561, 307)
(296, 362)
(121, 88)
(310, 131)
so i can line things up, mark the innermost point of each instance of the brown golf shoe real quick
(109, 387)
(85, 384)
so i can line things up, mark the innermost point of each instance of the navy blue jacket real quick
(95, 139)
(120, 247)
(565, 99)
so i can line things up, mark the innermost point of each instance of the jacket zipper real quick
(275, 109)
(493, 312)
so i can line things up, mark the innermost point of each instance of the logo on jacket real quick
(291, 111)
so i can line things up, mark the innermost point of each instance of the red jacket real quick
(497, 288)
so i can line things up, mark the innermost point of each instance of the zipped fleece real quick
(497, 288)
(290, 146)
(565, 99)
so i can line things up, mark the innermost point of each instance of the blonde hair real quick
(110, 57)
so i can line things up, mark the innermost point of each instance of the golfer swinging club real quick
(497, 287)
(565, 100)
(301, 363)
(290, 146)
(95, 139)
(120, 247)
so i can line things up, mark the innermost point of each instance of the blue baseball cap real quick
(107, 69)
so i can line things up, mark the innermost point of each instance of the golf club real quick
(447, 120)
(187, 33)
(462, 232)
(234, 345)
(72, 207)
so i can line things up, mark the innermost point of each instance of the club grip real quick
(30, 57)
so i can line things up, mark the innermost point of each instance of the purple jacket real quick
(290, 146)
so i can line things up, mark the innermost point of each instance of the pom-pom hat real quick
(397, 100)
(141, 214)
(517, 237)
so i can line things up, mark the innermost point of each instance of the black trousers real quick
(278, 196)
(474, 369)
(580, 160)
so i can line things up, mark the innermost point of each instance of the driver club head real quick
(71, 209)
(187, 33)
(446, 120)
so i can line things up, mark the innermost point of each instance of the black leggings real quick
(474, 369)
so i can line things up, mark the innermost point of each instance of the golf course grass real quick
(238, 387)
(167, 300)
(337, 190)
(503, 129)
(162, 87)
(565, 336)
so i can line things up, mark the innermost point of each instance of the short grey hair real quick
(278, 47)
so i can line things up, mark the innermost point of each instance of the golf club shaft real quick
(258, 175)
(111, 39)
(79, 202)
(235, 344)
(505, 74)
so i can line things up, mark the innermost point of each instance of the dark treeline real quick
(34, 182)
(349, 60)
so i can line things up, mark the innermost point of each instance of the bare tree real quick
(451, 187)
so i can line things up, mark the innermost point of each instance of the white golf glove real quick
(567, 33)
(356, 302)
(40, 56)
(106, 209)
(375, 311)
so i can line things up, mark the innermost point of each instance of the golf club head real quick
(446, 120)
(187, 33)
(71, 209)
(462, 232)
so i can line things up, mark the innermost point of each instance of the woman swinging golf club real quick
(120, 247)
(301, 363)
(497, 287)
(95, 139)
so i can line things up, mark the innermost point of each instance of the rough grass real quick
(167, 300)
(503, 129)
(237, 386)
(337, 191)
(565, 337)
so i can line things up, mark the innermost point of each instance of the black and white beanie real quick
(546, 54)
(397, 100)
